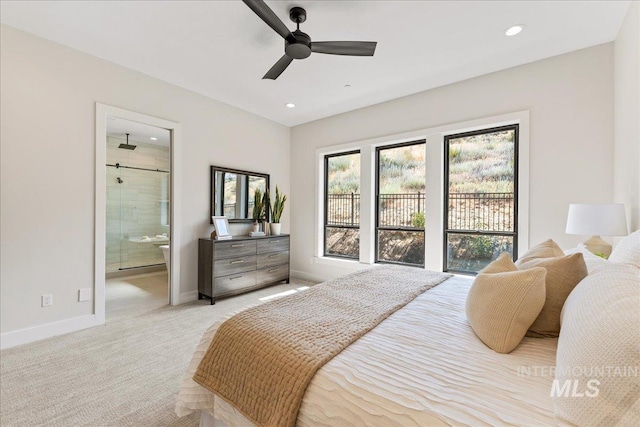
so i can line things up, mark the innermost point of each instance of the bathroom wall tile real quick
(163, 164)
(140, 160)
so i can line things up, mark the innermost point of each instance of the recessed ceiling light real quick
(516, 29)
(153, 138)
(290, 105)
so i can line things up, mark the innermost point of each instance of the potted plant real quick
(276, 211)
(258, 208)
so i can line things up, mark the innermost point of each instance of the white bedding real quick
(422, 366)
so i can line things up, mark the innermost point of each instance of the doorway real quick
(137, 237)
(138, 230)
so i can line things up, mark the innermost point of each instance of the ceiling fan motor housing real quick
(299, 49)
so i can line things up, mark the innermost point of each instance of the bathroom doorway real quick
(138, 230)
(137, 217)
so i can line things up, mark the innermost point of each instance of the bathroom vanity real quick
(241, 264)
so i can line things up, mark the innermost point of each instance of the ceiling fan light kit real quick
(298, 45)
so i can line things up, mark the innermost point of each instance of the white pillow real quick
(628, 250)
(597, 380)
(592, 260)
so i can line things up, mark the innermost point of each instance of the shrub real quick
(417, 220)
(339, 164)
(479, 247)
(414, 185)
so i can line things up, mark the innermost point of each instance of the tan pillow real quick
(598, 349)
(500, 265)
(563, 274)
(546, 249)
(501, 306)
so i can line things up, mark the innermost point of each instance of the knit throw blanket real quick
(262, 359)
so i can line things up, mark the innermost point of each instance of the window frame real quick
(376, 196)
(325, 226)
(516, 184)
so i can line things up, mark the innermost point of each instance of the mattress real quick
(422, 366)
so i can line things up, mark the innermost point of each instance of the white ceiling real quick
(138, 132)
(221, 49)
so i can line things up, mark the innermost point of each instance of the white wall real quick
(627, 116)
(47, 176)
(570, 99)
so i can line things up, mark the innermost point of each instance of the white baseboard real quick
(188, 297)
(307, 276)
(48, 330)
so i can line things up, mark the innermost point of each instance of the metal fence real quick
(481, 211)
(230, 210)
(343, 209)
(466, 211)
(396, 210)
(399, 210)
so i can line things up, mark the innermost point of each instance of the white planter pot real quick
(275, 228)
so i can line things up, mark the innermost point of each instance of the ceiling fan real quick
(298, 45)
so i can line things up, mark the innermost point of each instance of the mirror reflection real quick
(232, 192)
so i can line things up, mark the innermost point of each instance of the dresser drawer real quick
(234, 249)
(234, 283)
(274, 244)
(274, 274)
(271, 259)
(227, 266)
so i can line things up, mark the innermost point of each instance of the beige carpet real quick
(126, 373)
(136, 295)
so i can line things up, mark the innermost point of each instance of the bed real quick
(426, 363)
(422, 366)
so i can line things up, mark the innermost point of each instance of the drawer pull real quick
(237, 246)
(273, 270)
(237, 277)
(274, 241)
(274, 256)
(240, 261)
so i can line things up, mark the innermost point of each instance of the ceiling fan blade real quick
(278, 68)
(270, 18)
(345, 48)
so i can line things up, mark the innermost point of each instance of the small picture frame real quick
(221, 225)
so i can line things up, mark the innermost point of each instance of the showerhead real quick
(127, 146)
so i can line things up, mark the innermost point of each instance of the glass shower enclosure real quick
(138, 194)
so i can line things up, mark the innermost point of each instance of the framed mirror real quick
(232, 192)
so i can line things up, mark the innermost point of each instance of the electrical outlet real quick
(84, 294)
(47, 300)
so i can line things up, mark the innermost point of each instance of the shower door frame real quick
(102, 112)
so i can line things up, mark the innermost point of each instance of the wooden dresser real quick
(242, 264)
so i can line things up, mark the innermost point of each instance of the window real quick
(400, 191)
(229, 190)
(342, 205)
(481, 193)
